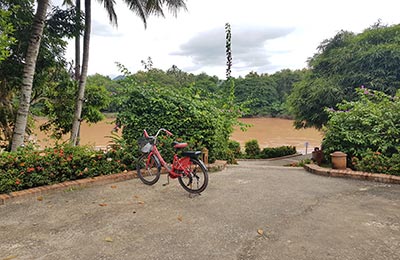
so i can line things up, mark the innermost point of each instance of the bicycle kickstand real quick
(165, 184)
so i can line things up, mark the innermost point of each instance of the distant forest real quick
(257, 94)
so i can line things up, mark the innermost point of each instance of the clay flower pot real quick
(339, 160)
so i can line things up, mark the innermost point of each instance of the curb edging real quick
(377, 177)
(38, 191)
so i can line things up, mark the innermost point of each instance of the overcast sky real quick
(267, 35)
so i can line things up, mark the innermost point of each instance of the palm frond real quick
(138, 6)
(155, 7)
(109, 6)
(175, 5)
(68, 2)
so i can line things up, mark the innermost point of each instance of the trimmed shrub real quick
(233, 152)
(273, 152)
(252, 149)
(234, 148)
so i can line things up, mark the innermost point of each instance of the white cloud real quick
(266, 35)
(104, 29)
(207, 49)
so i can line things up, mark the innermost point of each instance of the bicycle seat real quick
(192, 154)
(179, 145)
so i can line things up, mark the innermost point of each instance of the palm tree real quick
(143, 8)
(27, 77)
(77, 41)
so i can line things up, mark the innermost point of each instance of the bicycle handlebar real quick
(158, 132)
(145, 133)
(168, 132)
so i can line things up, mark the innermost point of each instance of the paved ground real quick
(300, 216)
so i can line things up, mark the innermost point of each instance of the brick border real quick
(38, 191)
(385, 178)
(82, 183)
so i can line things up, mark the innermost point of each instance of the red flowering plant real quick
(29, 168)
(376, 162)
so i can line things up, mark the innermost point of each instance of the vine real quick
(228, 50)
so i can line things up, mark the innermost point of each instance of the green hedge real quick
(277, 151)
(253, 151)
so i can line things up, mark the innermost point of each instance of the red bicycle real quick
(189, 169)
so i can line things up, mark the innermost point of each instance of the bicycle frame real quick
(189, 169)
(179, 164)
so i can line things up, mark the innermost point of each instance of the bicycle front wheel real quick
(196, 180)
(148, 169)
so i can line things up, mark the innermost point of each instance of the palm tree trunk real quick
(28, 73)
(78, 42)
(82, 80)
(78, 54)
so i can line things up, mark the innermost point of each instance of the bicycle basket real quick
(144, 145)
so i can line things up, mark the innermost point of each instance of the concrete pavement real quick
(254, 210)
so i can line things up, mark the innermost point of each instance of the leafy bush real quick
(370, 124)
(233, 152)
(252, 149)
(235, 149)
(29, 168)
(199, 120)
(273, 152)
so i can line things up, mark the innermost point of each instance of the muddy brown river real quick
(273, 132)
(270, 132)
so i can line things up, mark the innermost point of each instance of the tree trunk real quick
(82, 80)
(28, 73)
(78, 56)
(78, 42)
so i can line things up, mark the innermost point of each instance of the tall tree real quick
(50, 63)
(143, 8)
(6, 38)
(29, 71)
(78, 42)
(344, 63)
(258, 92)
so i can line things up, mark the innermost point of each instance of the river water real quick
(273, 132)
(269, 132)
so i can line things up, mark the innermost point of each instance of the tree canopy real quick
(343, 63)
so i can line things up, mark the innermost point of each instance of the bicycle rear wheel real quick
(148, 169)
(197, 179)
